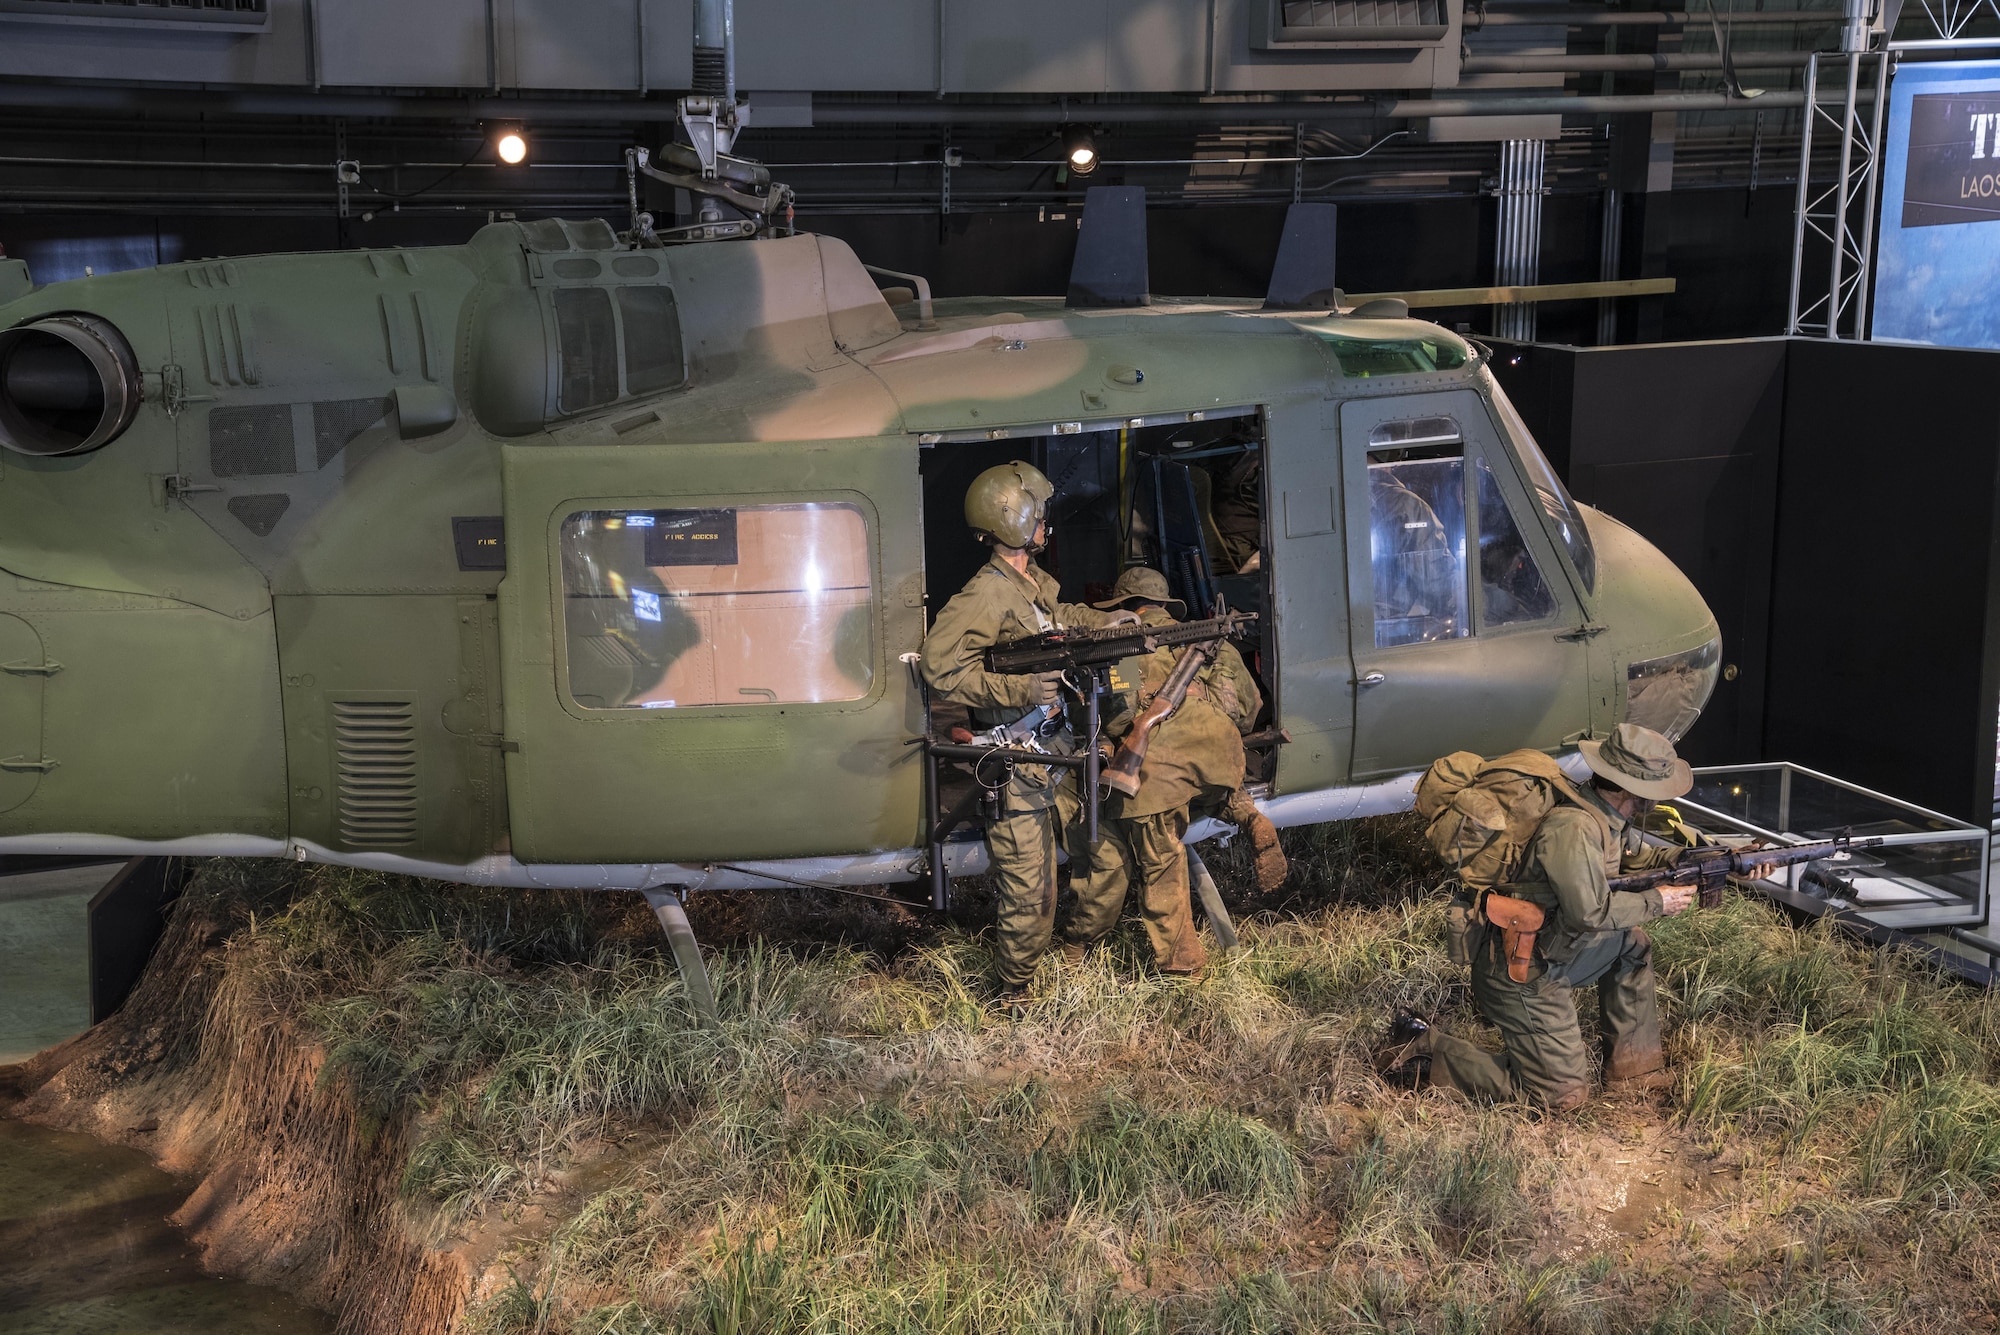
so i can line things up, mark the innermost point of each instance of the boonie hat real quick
(1142, 584)
(1640, 761)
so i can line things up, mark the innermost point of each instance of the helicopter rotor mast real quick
(710, 119)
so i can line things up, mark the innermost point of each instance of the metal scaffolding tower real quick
(1841, 212)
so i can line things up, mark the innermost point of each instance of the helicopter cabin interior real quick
(1182, 497)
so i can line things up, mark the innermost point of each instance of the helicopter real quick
(588, 558)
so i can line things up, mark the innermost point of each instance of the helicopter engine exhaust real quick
(69, 384)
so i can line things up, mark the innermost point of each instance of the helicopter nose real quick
(1663, 642)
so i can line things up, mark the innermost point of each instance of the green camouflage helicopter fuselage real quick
(545, 560)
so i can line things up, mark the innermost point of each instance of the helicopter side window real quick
(601, 332)
(588, 341)
(1416, 514)
(1511, 586)
(673, 609)
(653, 356)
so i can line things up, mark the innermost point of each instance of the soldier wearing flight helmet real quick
(1011, 597)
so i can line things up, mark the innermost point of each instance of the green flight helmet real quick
(1006, 502)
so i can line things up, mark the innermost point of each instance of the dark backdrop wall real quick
(1838, 506)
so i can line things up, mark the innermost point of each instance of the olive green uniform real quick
(1593, 935)
(996, 604)
(1195, 755)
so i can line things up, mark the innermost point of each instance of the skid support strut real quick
(667, 907)
(1211, 900)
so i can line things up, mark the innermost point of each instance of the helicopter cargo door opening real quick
(1460, 610)
(701, 650)
(1181, 493)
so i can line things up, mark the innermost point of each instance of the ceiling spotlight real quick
(1080, 149)
(511, 146)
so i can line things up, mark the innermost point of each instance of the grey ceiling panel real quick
(1026, 46)
(852, 46)
(132, 54)
(1156, 46)
(1075, 46)
(439, 43)
(670, 44)
(560, 44)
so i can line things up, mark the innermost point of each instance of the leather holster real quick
(1518, 921)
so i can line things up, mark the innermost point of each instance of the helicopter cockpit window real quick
(1416, 512)
(1549, 490)
(1511, 586)
(673, 609)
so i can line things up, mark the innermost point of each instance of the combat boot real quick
(1272, 868)
(1010, 1000)
(1404, 1060)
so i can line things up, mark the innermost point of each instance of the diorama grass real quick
(866, 1145)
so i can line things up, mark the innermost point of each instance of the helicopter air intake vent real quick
(375, 745)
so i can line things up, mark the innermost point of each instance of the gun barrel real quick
(1791, 855)
(1691, 866)
(1056, 650)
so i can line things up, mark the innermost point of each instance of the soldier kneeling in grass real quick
(1536, 852)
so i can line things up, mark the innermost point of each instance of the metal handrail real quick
(925, 318)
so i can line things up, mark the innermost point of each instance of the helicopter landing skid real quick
(667, 907)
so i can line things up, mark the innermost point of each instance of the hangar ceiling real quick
(242, 109)
(113, 105)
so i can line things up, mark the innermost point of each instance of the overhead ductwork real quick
(68, 385)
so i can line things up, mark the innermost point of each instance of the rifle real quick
(1099, 647)
(1709, 868)
(1123, 771)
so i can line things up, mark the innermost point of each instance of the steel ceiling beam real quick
(544, 111)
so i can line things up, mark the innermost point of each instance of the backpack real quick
(1483, 813)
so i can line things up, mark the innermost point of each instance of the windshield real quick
(1550, 492)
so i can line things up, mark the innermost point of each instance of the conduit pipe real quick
(1639, 18)
(142, 101)
(1664, 61)
(1236, 113)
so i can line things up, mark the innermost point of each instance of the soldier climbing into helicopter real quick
(1195, 760)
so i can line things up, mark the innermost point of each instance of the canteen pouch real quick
(1462, 924)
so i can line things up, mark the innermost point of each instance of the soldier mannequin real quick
(1010, 597)
(1592, 935)
(1196, 755)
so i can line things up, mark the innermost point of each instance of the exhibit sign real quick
(1939, 250)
